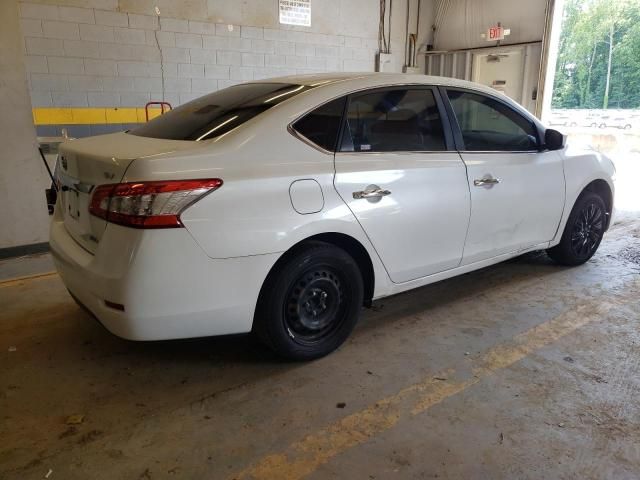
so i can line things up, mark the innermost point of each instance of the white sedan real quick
(283, 206)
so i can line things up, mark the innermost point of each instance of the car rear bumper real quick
(167, 286)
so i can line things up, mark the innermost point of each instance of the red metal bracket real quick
(162, 108)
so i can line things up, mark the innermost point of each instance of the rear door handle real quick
(486, 181)
(372, 191)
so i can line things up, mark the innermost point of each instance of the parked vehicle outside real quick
(283, 206)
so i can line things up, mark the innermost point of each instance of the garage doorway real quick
(596, 87)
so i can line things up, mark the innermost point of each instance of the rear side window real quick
(219, 112)
(322, 125)
(488, 125)
(393, 120)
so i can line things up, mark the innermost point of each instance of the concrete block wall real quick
(87, 57)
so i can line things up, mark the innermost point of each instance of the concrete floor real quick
(523, 370)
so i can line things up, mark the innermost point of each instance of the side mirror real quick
(554, 140)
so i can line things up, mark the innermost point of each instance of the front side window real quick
(488, 125)
(219, 112)
(393, 120)
(322, 125)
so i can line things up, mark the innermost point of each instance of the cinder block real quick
(177, 85)
(252, 60)
(203, 85)
(31, 27)
(274, 34)
(100, 67)
(78, 15)
(36, 64)
(215, 43)
(285, 48)
(260, 73)
(335, 40)
(303, 50)
(146, 22)
(177, 55)
(118, 84)
(147, 84)
(133, 69)
(318, 63)
(188, 40)
(165, 39)
(140, 53)
(134, 99)
(352, 65)
(81, 48)
(325, 51)
(251, 32)
(296, 62)
(170, 70)
(227, 30)
(216, 71)
(41, 99)
(96, 33)
(239, 44)
(187, 97)
(200, 56)
(69, 99)
(43, 46)
(104, 99)
(370, 43)
(333, 64)
(190, 70)
(172, 98)
(174, 25)
(44, 12)
(228, 58)
(263, 46)
(353, 42)
(155, 69)
(278, 71)
(113, 19)
(202, 28)
(85, 83)
(241, 73)
(275, 60)
(66, 65)
(361, 54)
(129, 36)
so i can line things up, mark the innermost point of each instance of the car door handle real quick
(487, 181)
(372, 191)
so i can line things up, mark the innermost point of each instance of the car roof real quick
(378, 78)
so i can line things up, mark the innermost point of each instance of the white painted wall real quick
(84, 53)
(23, 216)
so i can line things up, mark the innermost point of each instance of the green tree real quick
(599, 55)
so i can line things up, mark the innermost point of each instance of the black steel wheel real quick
(310, 302)
(583, 232)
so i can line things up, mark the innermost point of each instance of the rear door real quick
(398, 172)
(517, 189)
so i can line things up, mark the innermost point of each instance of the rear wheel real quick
(583, 233)
(310, 305)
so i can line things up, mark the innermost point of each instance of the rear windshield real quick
(219, 112)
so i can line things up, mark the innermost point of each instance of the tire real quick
(583, 233)
(311, 303)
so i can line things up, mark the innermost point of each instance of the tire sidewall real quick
(271, 309)
(563, 251)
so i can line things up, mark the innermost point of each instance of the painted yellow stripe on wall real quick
(91, 115)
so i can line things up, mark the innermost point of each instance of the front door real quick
(408, 191)
(517, 190)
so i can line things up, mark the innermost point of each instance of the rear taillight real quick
(148, 204)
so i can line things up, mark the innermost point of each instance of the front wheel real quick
(311, 303)
(583, 233)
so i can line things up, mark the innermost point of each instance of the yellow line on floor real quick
(15, 281)
(303, 457)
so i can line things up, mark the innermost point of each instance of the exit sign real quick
(495, 33)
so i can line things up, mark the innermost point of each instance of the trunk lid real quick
(85, 163)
